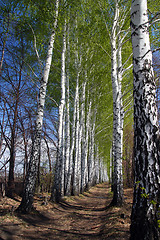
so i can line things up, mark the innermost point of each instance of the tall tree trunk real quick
(76, 159)
(111, 168)
(29, 190)
(87, 142)
(58, 188)
(120, 77)
(49, 162)
(97, 165)
(85, 150)
(81, 133)
(144, 225)
(83, 139)
(1, 133)
(68, 132)
(11, 185)
(117, 124)
(25, 164)
(91, 152)
(71, 169)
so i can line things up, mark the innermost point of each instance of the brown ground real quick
(87, 216)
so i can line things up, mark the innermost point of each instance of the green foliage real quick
(89, 24)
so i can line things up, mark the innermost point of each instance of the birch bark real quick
(117, 115)
(81, 134)
(100, 172)
(67, 157)
(87, 143)
(91, 152)
(76, 180)
(29, 189)
(144, 223)
(97, 166)
(58, 189)
(84, 178)
(71, 169)
(83, 128)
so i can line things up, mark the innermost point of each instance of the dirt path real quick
(82, 217)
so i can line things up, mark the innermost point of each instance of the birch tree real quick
(58, 188)
(72, 145)
(83, 128)
(117, 33)
(67, 158)
(77, 132)
(91, 151)
(29, 189)
(144, 223)
(117, 108)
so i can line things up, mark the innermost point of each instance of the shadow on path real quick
(79, 217)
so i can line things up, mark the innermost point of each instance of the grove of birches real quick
(79, 98)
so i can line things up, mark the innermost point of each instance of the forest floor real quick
(87, 216)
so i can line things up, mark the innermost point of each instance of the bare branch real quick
(35, 47)
(103, 49)
(4, 164)
(126, 69)
(155, 50)
(127, 60)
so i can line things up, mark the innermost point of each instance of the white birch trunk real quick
(87, 145)
(144, 223)
(58, 189)
(29, 189)
(71, 169)
(76, 173)
(120, 77)
(63, 152)
(105, 174)
(79, 142)
(83, 132)
(111, 167)
(100, 172)
(97, 166)
(117, 124)
(67, 157)
(91, 153)
(82, 136)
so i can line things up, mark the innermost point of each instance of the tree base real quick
(24, 210)
(144, 231)
(117, 202)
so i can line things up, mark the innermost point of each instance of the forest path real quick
(87, 216)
